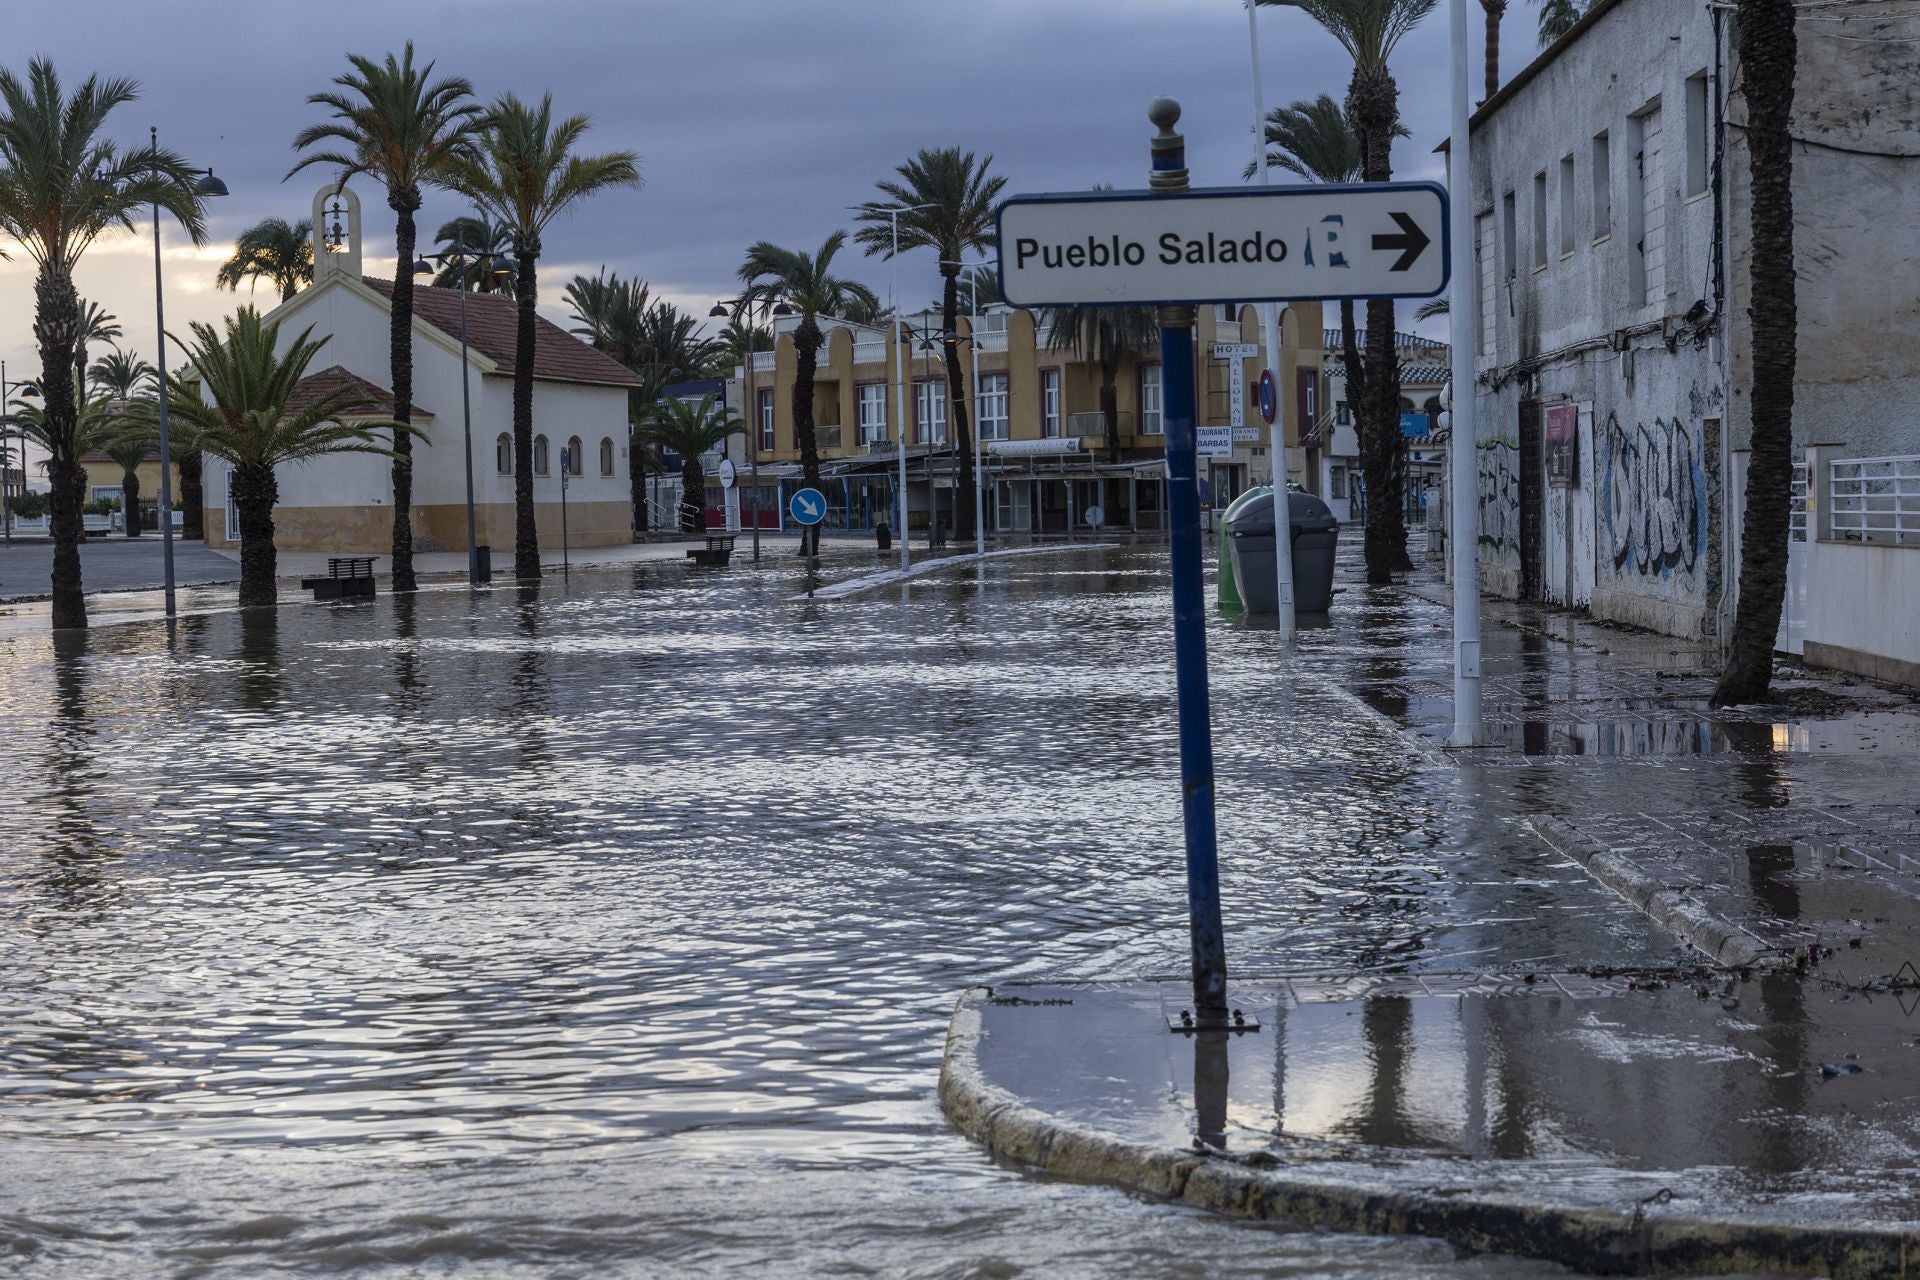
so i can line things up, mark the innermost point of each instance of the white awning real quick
(1035, 448)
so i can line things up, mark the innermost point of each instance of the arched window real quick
(503, 454)
(576, 464)
(539, 455)
(606, 456)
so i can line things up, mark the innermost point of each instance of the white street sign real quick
(1236, 396)
(1235, 350)
(1252, 244)
(1213, 442)
(1248, 435)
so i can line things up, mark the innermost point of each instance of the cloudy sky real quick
(754, 119)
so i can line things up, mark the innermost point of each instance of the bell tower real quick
(336, 233)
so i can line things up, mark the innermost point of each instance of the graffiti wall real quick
(1499, 459)
(1653, 501)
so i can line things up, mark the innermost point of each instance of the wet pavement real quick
(110, 563)
(613, 926)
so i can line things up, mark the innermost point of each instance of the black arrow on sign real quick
(1411, 241)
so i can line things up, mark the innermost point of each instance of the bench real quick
(716, 553)
(347, 576)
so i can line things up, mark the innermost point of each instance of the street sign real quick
(1235, 350)
(1269, 396)
(1213, 442)
(1248, 435)
(808, 507)
(726, 473)
(1236, 398)
(1413, 425)
(1234, 244)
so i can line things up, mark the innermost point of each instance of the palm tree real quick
(61, 187)
(610, 312)
(1106, 338)
(959, 198)
(97, 424)
(1433, 307)
(1494, 10)
(740, 337)
(1557, 18)
(671, 341)
(401, 127)
(96, 325)
(1768, 54)
(689, 429)
(874, 314)
(524, 172)
(1369, 30)
(124, 380)
(252, 426)
(480, 237)
(806, 283)
(274, 250)
(123, 376)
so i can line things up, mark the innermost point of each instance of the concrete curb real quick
(1714, 936)
(1309, 1193)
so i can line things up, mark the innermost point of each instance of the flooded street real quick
(613, 927)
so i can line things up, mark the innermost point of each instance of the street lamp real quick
(893, 212)
(208, 186)
(27, 392)
(499, 268)
(744, 306)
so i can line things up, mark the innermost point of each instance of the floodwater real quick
(612, 928)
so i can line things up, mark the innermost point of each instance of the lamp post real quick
(769, 307)
(893, 212)
(207, 186)
(500, 267)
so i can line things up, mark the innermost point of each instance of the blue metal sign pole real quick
(1189, 608)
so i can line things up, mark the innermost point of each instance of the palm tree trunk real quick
(957, 398)
(1495, 10)
(193, 522)
(1768, 53)
(56, 325)
(526, 529)
(400, 340)
(693, 495)
(806, 350)
(254, 493)
(130, 502)
(1110, 410)
(1372, 105)
(637, 483)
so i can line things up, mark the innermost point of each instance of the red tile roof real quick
(374, 401)
(493, 327)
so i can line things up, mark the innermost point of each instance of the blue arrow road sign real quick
(808, 507)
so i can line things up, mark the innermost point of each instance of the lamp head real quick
(719, 311)
(27, 391)
(209, 186)
(421, 267)
(782, 309)
(503, 267)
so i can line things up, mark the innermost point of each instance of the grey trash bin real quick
(1315, 534)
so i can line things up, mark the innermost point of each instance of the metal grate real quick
(1875, 499)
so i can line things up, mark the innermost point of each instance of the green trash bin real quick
(1315, 534)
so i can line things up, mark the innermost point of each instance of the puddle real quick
(1692, 736)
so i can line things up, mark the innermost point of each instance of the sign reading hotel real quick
(1254, 244)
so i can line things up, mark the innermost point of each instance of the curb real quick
(1714, 936)
(1593, 1240)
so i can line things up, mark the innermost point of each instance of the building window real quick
(606, 455)
(576, 465)
(1602, 185)
(1510, 235)
(992, 400)
(1342, 416)
(1566, 204)
(503, 454)
(1645, 212)
(930, 411)
(1540, 219)
(539, 455)
(1050, 403)
(1483, 262)
(766, 420)
(1229, 316)
(873, 412)
(1337, 481)
(1151, 423)
(1696, 133)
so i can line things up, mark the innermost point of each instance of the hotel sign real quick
(1238, 244)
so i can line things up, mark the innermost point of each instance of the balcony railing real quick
(874, 352)
(826, 437)
(762, 361)
(1875, 499)
(1095, 424)
(990, 340)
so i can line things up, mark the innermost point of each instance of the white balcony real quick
(874, 352)
(763, 362)
(990, 340)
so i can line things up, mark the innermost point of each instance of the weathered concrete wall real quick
(1592, 279)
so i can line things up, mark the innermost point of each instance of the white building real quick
(343, 503)
(1610, 196)
(1336, 439)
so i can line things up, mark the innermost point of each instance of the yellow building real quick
(104, 478)
(1047, 462)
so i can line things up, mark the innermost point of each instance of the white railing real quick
(874, 352)
(990, 340)
(762, 361)
(1875, 499)
(1797, 511)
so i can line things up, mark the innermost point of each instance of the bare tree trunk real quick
(400, 358)
(254, 493)
(1372, 106)
(526, 528)
(193, 520)
(637, 483)
(693, 495)
(130, 502)
(1495, 10)
(806, 350)
(957, 399)
(1768, 51)
(56, 327)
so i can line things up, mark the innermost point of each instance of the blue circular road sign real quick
(1269, 398)
(808, 507)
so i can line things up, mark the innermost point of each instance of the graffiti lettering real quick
(1500, 497)
(1654, 497)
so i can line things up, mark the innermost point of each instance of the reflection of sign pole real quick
(1189, 616)
(566, 469)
